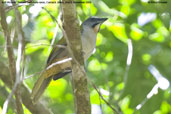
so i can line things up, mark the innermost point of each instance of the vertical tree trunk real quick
(73, 37)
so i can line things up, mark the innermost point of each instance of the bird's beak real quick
(98, 23)
(101, 20)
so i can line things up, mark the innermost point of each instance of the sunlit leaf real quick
(93, 9)
(86, 8)
(57, 88)
(125, 106)
(146, 58)
(94, 97)
(99, 39)
(94, 65)
(26, 111)
(69, 97)
(0, 110)
(118, 29)
(120, 86)
(156, 37)
(136, 33)
(109, 56)
(125, 10)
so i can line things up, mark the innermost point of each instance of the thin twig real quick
(4, 93)
(9, 8)
(27, 77)
(129, 60)
(10, 52)
(94, 86)
(5, 105)
(23, 67)
(59, 62)
(54, 38)
(59, 46)
(41, 44)
(21, 48)
(100, 104)
(56, 28)
(53, 18)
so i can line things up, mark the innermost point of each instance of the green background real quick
(107, 66)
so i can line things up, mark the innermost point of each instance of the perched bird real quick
(89, 30)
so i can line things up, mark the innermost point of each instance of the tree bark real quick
(6, 73)
(39, 108)
(73, 37)
(11, 59)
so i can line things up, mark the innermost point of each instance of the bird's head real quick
(93, 23)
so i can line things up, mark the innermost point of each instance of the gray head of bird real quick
(93, 23)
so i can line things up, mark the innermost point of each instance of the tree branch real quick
(20, 56)
(25, 94)
(11, 59)
(101, 96)
(10, 52)
(71, 32)
(39, 108)
(4, 93)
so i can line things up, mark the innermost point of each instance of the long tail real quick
(39, 88)
(42, 83)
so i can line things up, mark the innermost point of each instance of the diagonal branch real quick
(101, 96)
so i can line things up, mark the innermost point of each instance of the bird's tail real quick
(39, 87)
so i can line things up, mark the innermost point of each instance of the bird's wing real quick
(57, 52)
(57, 55)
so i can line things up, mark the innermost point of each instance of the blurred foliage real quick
(147, 24)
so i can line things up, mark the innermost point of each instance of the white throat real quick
(88, 37)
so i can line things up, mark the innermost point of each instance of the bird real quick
(89, 29)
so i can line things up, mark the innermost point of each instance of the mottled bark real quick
(73, 37)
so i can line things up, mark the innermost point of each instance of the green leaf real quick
(33, 47)
(118, 29)
(56, 89)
